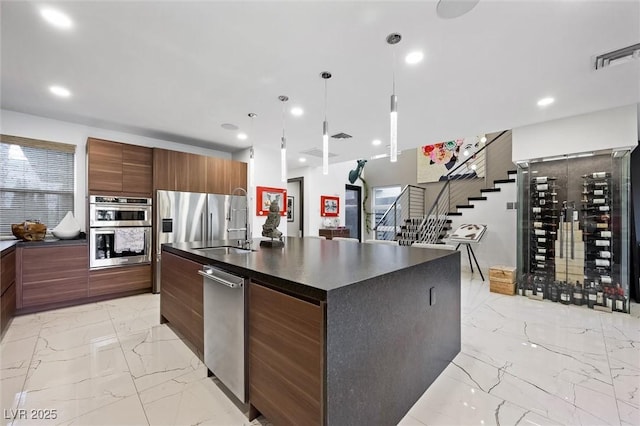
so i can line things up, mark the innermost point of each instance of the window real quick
(383, 198)
(36, 181)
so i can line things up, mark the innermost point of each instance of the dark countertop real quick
(47, 242)
(311, 267)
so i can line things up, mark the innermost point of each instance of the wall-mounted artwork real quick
(264, 197)
(290, 217)
(329, 206)
(436, 161)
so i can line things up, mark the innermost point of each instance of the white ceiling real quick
(178, 70)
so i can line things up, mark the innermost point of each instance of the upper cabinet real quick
(181, 171)
(115, 168)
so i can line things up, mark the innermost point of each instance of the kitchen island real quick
(339, 333)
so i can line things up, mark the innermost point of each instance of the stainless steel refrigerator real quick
(193, 216)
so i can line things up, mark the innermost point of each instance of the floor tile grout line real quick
(613, 385)
(128, 367)
(26, 375)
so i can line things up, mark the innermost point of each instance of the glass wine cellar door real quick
(573, 232)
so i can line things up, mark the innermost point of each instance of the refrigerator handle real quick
(210, 228)
(572, 239)
(203, 230)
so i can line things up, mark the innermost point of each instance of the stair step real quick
(464, 206)
(512, 172)
(454, 214)
(482, 191)
(503, 181)
(477, 198)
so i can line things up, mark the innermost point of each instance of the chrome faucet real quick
(246, 244)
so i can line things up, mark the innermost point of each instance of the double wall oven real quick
(120, 231)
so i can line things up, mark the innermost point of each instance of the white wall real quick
(498, 245)
(610, 129)
(317, 184)
(266, 173)
(31, 126)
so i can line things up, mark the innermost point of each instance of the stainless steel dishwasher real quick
(224, 328)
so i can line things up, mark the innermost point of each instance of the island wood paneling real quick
(286, 364)
(8, 286)
(137, 165)
(181, 298)
(120, 280)
(48, 275)
(7, 306)
(105, 165)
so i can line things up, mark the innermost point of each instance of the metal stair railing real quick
(468, 177)
(409, 204)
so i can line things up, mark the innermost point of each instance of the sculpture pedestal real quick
(271, 243)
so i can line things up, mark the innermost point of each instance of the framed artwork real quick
(290, 209)
(264, 197)
(438, 160)
(329, 206)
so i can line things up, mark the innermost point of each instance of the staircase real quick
(410, 225)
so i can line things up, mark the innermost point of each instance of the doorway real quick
(295, 207)
(353, 213)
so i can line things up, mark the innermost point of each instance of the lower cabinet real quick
(7, 288)
(48, 276)
(119, 280)
(181, 298)
(286, 362)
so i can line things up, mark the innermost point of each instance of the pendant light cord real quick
(283, 102)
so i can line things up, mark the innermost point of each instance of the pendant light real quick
(393, 39)
(252, 166)
(325, 75)
(283, 143)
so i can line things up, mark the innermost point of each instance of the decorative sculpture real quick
(270, 227)
(355, 175)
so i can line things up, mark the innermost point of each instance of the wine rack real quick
(543, 222)
(601, 288)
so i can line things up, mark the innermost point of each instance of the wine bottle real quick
(542, 240)
(540, 257)
(597, 175)
(599, 208)
(595, 200)
(542, 187)
(592, 297)
(553, 292)
(540, 232)
(602, 243)
(565, 294)
(577, 294)
(599, 295)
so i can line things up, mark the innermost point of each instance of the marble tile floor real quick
(523, 362)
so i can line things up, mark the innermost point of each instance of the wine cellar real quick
(573, 230)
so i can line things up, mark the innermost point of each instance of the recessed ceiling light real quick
(60, 91)
(297, 111)
(242, 136)
(545, 102)
(56, 18)
(302, 160)
(414, 57)
(483, 139)
(229, 126)
(376, 142)
(450, 9)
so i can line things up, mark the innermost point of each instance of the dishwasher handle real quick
(221, 280)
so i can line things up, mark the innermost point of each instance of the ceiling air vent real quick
(617, 57)
(341, 136)
(316, 152)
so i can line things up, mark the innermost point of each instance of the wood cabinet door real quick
(119, 280)
(137, 166)
(180, 163)
(7, 270)
(7, 307)
(181, 297)
(50, 275)
(286, 363)
(237, 175)
(164, 173)
(197, 172)
(217, 176)
(105, 165)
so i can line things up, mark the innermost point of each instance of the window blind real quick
(36, 181)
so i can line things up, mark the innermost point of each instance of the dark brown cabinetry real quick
(181, 171)
(51, 276)
(329, 233)
(115, 168)
(285, 357)
(8, 287)
(120, 280)
(181, 298)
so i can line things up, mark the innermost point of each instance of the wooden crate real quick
(502, 279)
